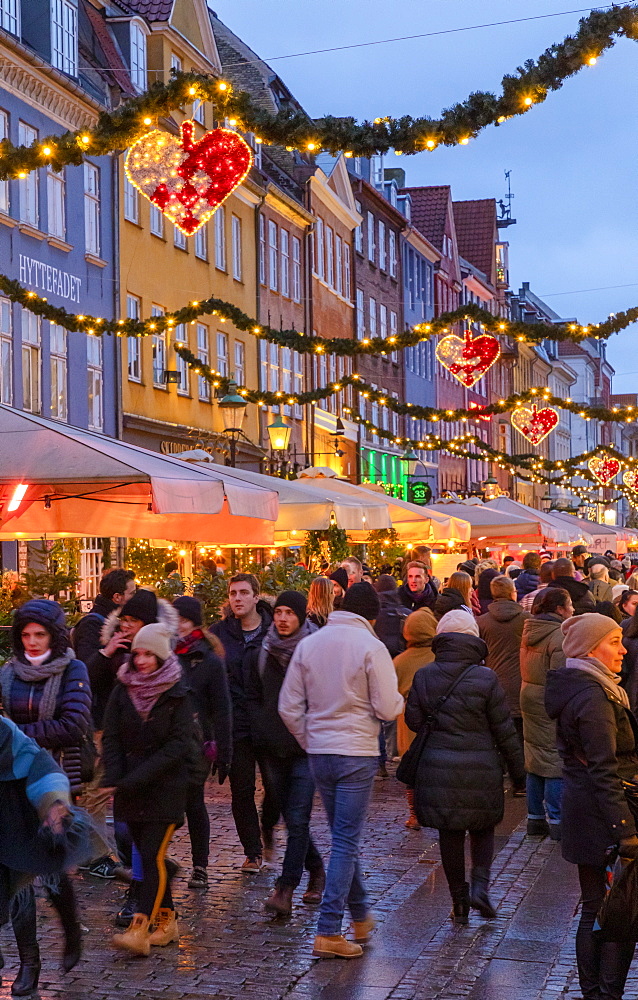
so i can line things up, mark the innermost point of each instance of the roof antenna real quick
(505, 205)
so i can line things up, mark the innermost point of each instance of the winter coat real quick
(412, 601)
(526, 582)
(419, 631)
(502, 629)
(483, 589)
(204, 674)
(629, 671)
(390, 621)
(450, 599)
(582, 599)
(601, 590)
(103, 669)
(598, 748)
(459, 782)
(231, 636)
(86, 637)
(148, 761)
(63, 734)
(541, 650)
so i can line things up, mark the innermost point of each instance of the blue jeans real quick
(294, 788)
(345, 786)
(544, 797)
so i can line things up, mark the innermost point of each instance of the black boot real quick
(460, 904)
(23, 918)
(479, 898)
(130, 907)
(64, 901)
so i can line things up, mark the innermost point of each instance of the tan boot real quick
(362, 929)
(166, 930)
(411, 822)
(335, 946)
(136, 939)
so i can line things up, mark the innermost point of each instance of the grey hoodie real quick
(502, 629)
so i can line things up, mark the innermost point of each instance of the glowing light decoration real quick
(535, 424)
(187, 179)
(604, 468)
(479, 410)
(630, 479)
(468, 359)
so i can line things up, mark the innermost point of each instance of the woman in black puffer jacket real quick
(459, 783)
(46, 692)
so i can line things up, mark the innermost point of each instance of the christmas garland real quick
(292, 128)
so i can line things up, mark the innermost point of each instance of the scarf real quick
(187, 643)
(145, 689)
(607, 680)
(51, 672)
(282, 646)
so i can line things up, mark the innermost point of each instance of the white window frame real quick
(10, 18)
(4, 134)
(262, 250)
(176, 62)
(383, 320)
(220, 238)
(222, 353)
(159, 352)
(64, 36)
(296, 269)
(358, 233)
(198, 112)
(6, 351)
(297, 381)
(31, 353)
(58, 346)
(201, 242)
(338, 265)
(157, 221)
(361, 317)
(56, 216)
(370, 234)
(319, 261)
(94, 362)
(92, 208)
(347, 280)
(131, 202)
(273, 256)
(134, 344)
(240, 362)
(237, 247)
(330, 257)
(372, 311)
(392, 253)
(180, 336)
(394, 330)
(138, 57)
(203, 353)
(28, 186)
(179, 239)
(382, 250)
(284, 261)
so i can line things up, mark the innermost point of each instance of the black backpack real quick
(389, 628)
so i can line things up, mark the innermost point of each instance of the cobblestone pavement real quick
(230, 948)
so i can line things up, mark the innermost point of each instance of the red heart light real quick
(479, 412)
(470, 358)
(188, 180)
(630, 479)
(604, 468)
(535, 424)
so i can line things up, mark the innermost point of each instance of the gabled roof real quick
(476, 233)
(429, 211)
(153, 10)
(117, 68)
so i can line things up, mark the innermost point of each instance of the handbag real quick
(409, 764)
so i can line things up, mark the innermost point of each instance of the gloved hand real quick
(628, 847)
(221, 769)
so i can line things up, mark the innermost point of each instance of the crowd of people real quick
(527, 669)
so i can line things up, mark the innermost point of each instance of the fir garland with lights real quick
(528, 85)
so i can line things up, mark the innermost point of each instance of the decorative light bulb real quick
(148, 121)
(464, 141)
(222, 86)
(528, 101)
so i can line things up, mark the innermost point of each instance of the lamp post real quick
(410, 460)
(233, 407)
(279, 436)
(491, 489)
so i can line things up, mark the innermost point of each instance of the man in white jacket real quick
(339, 685)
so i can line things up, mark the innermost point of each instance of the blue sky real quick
(573, 159)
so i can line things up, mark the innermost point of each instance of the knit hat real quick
(580, 550)
(50, 616)
(469, 567)
(458, 621)
(294, 600)
(362, 599)
(584, 632)
(155, 639)
(341, 577)
(190, 608)
(386, 584)
(142, 605)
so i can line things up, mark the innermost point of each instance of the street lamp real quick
(279, 434)
(410, 459)
(233, 407)
(547, 501)
(491, 489)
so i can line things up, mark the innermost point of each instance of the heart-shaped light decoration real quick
(187, 179)
(479, 411)
(604, 468)
(535, 424)
(469, 358)
(630, 479)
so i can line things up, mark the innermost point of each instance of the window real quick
(94, 366)
(138, 57)
(272, 255)
(220, 238)
(262, 250)
(395, 416)
(176, 63)
(346, 271)
(393, 333)
(159, 351)
(28, 186)
(131, 201)
(180, 337)
(240, 362)
(373, 317)
(382, 255)
(30, 362)
(383, 321)
(201, 242)
(55, 204)
(361, 319)
(297, 380)
(358, 233)
(9, 18)
(157, 221)
(64, 44)
(296, 269)
(179, 238)
(4, 134)
(356, 163)
(57, 353)
(371, 247)
(236, 238)
(338, 265)
(222, 353)
(319, 258)
(6, 351)
(330, 257)
(203, 385)
(392, 253)
(198, 111)
(134, 344)
(284, 260)
(92, 208)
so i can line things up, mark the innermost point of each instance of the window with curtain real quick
(134, 344)
(58, 371)
(95, 382)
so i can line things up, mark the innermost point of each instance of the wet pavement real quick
(230, 948)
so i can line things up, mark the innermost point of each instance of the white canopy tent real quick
(554, 530)
(491, 526)
(599, 537)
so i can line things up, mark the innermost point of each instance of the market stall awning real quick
(598, 537)
(62, 480)
(553, 530)
(492, 525)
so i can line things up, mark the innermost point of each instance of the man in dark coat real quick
(502, 629)
(529, 578)
(582, 598)
(389, 623)
(240, 632)
(116, 588)
(418, 591)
